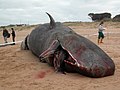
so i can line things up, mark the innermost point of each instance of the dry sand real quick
(21, 70)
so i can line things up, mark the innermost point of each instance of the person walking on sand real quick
(5, 34)
(13, 35)
(100, 32)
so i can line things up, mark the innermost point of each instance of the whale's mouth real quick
(56, 54)
(66, 57)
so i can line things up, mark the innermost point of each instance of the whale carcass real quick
(62, 48)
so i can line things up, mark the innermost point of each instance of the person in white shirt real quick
(100, 32)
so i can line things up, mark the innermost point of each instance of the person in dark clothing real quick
(5, 34)
(13, 35)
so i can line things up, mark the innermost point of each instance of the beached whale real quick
(61, 47)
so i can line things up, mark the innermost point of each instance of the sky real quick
(33, 11)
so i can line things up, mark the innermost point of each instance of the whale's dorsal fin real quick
(52, 22)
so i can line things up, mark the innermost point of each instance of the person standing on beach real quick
(13, 35)
(100, 32)
(5, 34)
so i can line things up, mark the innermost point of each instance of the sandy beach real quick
(21, 70)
